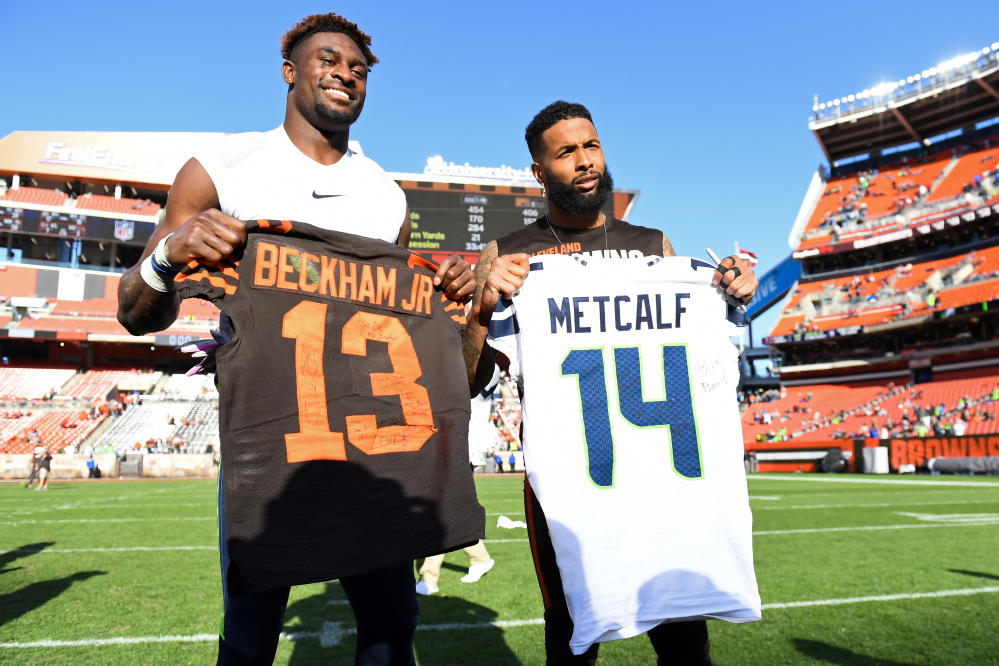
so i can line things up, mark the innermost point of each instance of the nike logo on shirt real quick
(316, 195)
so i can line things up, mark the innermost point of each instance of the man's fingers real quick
(514, 264)
(227, 221)
(462, 287)
(736, 278)
(450, 269)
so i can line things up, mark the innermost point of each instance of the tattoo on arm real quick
(477, 356)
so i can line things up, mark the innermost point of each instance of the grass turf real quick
(127, 572)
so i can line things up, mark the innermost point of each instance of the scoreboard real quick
(461, 218)
(464, 221)
(74, 225)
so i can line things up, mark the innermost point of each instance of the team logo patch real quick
(124, 230)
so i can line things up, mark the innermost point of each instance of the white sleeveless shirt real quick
(263, 175)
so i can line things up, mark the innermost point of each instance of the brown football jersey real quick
(343, 407)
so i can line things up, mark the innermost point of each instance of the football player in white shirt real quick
(302, 171)
(569, 163)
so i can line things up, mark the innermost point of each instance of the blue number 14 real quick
(676, 411)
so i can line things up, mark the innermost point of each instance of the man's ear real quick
(288, 72)
(538, 173)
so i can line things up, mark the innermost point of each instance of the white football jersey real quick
(632, 440)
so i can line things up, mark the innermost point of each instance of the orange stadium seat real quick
(56, 429)
(968, 166)
(855, 407)
(112, 205)
(36, 195)
(967, 294)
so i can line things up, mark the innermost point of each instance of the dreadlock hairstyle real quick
(310, 25)
(548, 116)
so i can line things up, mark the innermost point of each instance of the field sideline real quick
(852, 570)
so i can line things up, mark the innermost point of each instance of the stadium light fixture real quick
(850, 99)
(822, 106)
(995, 46)
(881, 89)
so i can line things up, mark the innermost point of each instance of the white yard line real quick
(332, 632)
(150, 549)
(104, 520)
(902, 503)
(123, 549)
(881, 480)
(883, 597)
(974, 521)
(868, 528)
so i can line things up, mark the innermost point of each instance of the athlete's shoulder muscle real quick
(192, 192)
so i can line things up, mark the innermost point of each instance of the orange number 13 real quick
(306, 325)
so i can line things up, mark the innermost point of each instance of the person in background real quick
(44, 469)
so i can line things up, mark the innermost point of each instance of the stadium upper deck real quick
(898, 237)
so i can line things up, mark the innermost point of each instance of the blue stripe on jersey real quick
(502, 305)
(501, 328)
(537, 266)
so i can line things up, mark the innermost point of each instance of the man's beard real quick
(334, 117)
(574, 202)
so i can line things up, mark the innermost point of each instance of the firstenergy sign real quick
(101, 157)
(150, 158)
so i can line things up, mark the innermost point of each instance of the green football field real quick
(852, 570)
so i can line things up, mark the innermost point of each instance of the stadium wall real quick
(74, 466)
(918, 451)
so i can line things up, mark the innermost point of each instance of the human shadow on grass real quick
(24, 551)
(34, 595)
(833, 654)
(977, 574)
(451, 631)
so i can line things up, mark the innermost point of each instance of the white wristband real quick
(160, 257)
(152, 277)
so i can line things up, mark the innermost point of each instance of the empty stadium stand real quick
(120, 205)
(32, 383)
(35, 195)
(56, 429)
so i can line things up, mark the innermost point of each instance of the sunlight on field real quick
(851, 570)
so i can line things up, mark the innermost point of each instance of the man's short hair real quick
(548, 116)
(310, 25)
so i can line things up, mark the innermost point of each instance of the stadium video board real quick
(74, 225)
(461, 220)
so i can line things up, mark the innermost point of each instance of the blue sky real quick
(702, 106)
